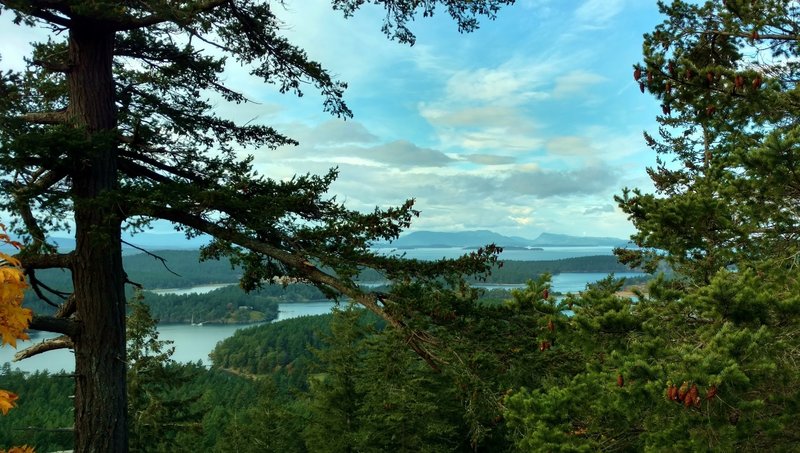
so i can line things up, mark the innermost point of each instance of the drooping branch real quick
(37, 286)
(62, 342)
(368, 300)
(157, 164)
(159, 258)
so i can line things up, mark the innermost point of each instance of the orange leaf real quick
(7, 401)
(22, 449)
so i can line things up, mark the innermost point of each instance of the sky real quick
(530, 124)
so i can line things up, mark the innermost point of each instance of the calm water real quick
(548, 253)
(193, 343)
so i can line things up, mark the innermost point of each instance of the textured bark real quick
(100, 366)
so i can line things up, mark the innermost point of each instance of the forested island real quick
(231, 305)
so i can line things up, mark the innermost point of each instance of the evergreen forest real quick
(108, 124)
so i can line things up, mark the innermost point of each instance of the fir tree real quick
(156, 410)
(706, 361)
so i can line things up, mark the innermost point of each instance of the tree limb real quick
(133, 169)
(67, 308)
(38, 286)
(39, 9)
(59, 117)
(46, 261)
(53, 67)
(753, 35)
(155, 163)
(368, 300)
(155, 19)
(64, 326)
(159, 258)
(62, 342)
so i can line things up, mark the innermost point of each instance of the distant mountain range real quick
(466, 239)
(149, 241)
(417, 239)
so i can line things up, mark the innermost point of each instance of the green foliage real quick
(160, 417)
(228, 305)
(279, 350)
(707, 361)
(42, 420)
(112, 124)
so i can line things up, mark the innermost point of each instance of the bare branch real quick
(37, 286)
(62, 342)
(41, 181)
(59, 117)
(159, 258)
(31, 224)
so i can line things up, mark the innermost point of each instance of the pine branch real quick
(178, 15)
(297, 262)
(155, 163)
(39, 9)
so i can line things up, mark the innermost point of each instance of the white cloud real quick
(512, 83)
(597, 13)
(485, 127)
(488, 159)
(575, 82)
(593, 179)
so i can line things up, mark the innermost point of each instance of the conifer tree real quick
(112, 124)
(157, 414)
(707, 360)
(334, 398)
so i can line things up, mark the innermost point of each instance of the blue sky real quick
(530, 124)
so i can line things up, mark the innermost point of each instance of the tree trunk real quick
(98, 277)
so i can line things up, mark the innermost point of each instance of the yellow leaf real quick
(7, 401)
